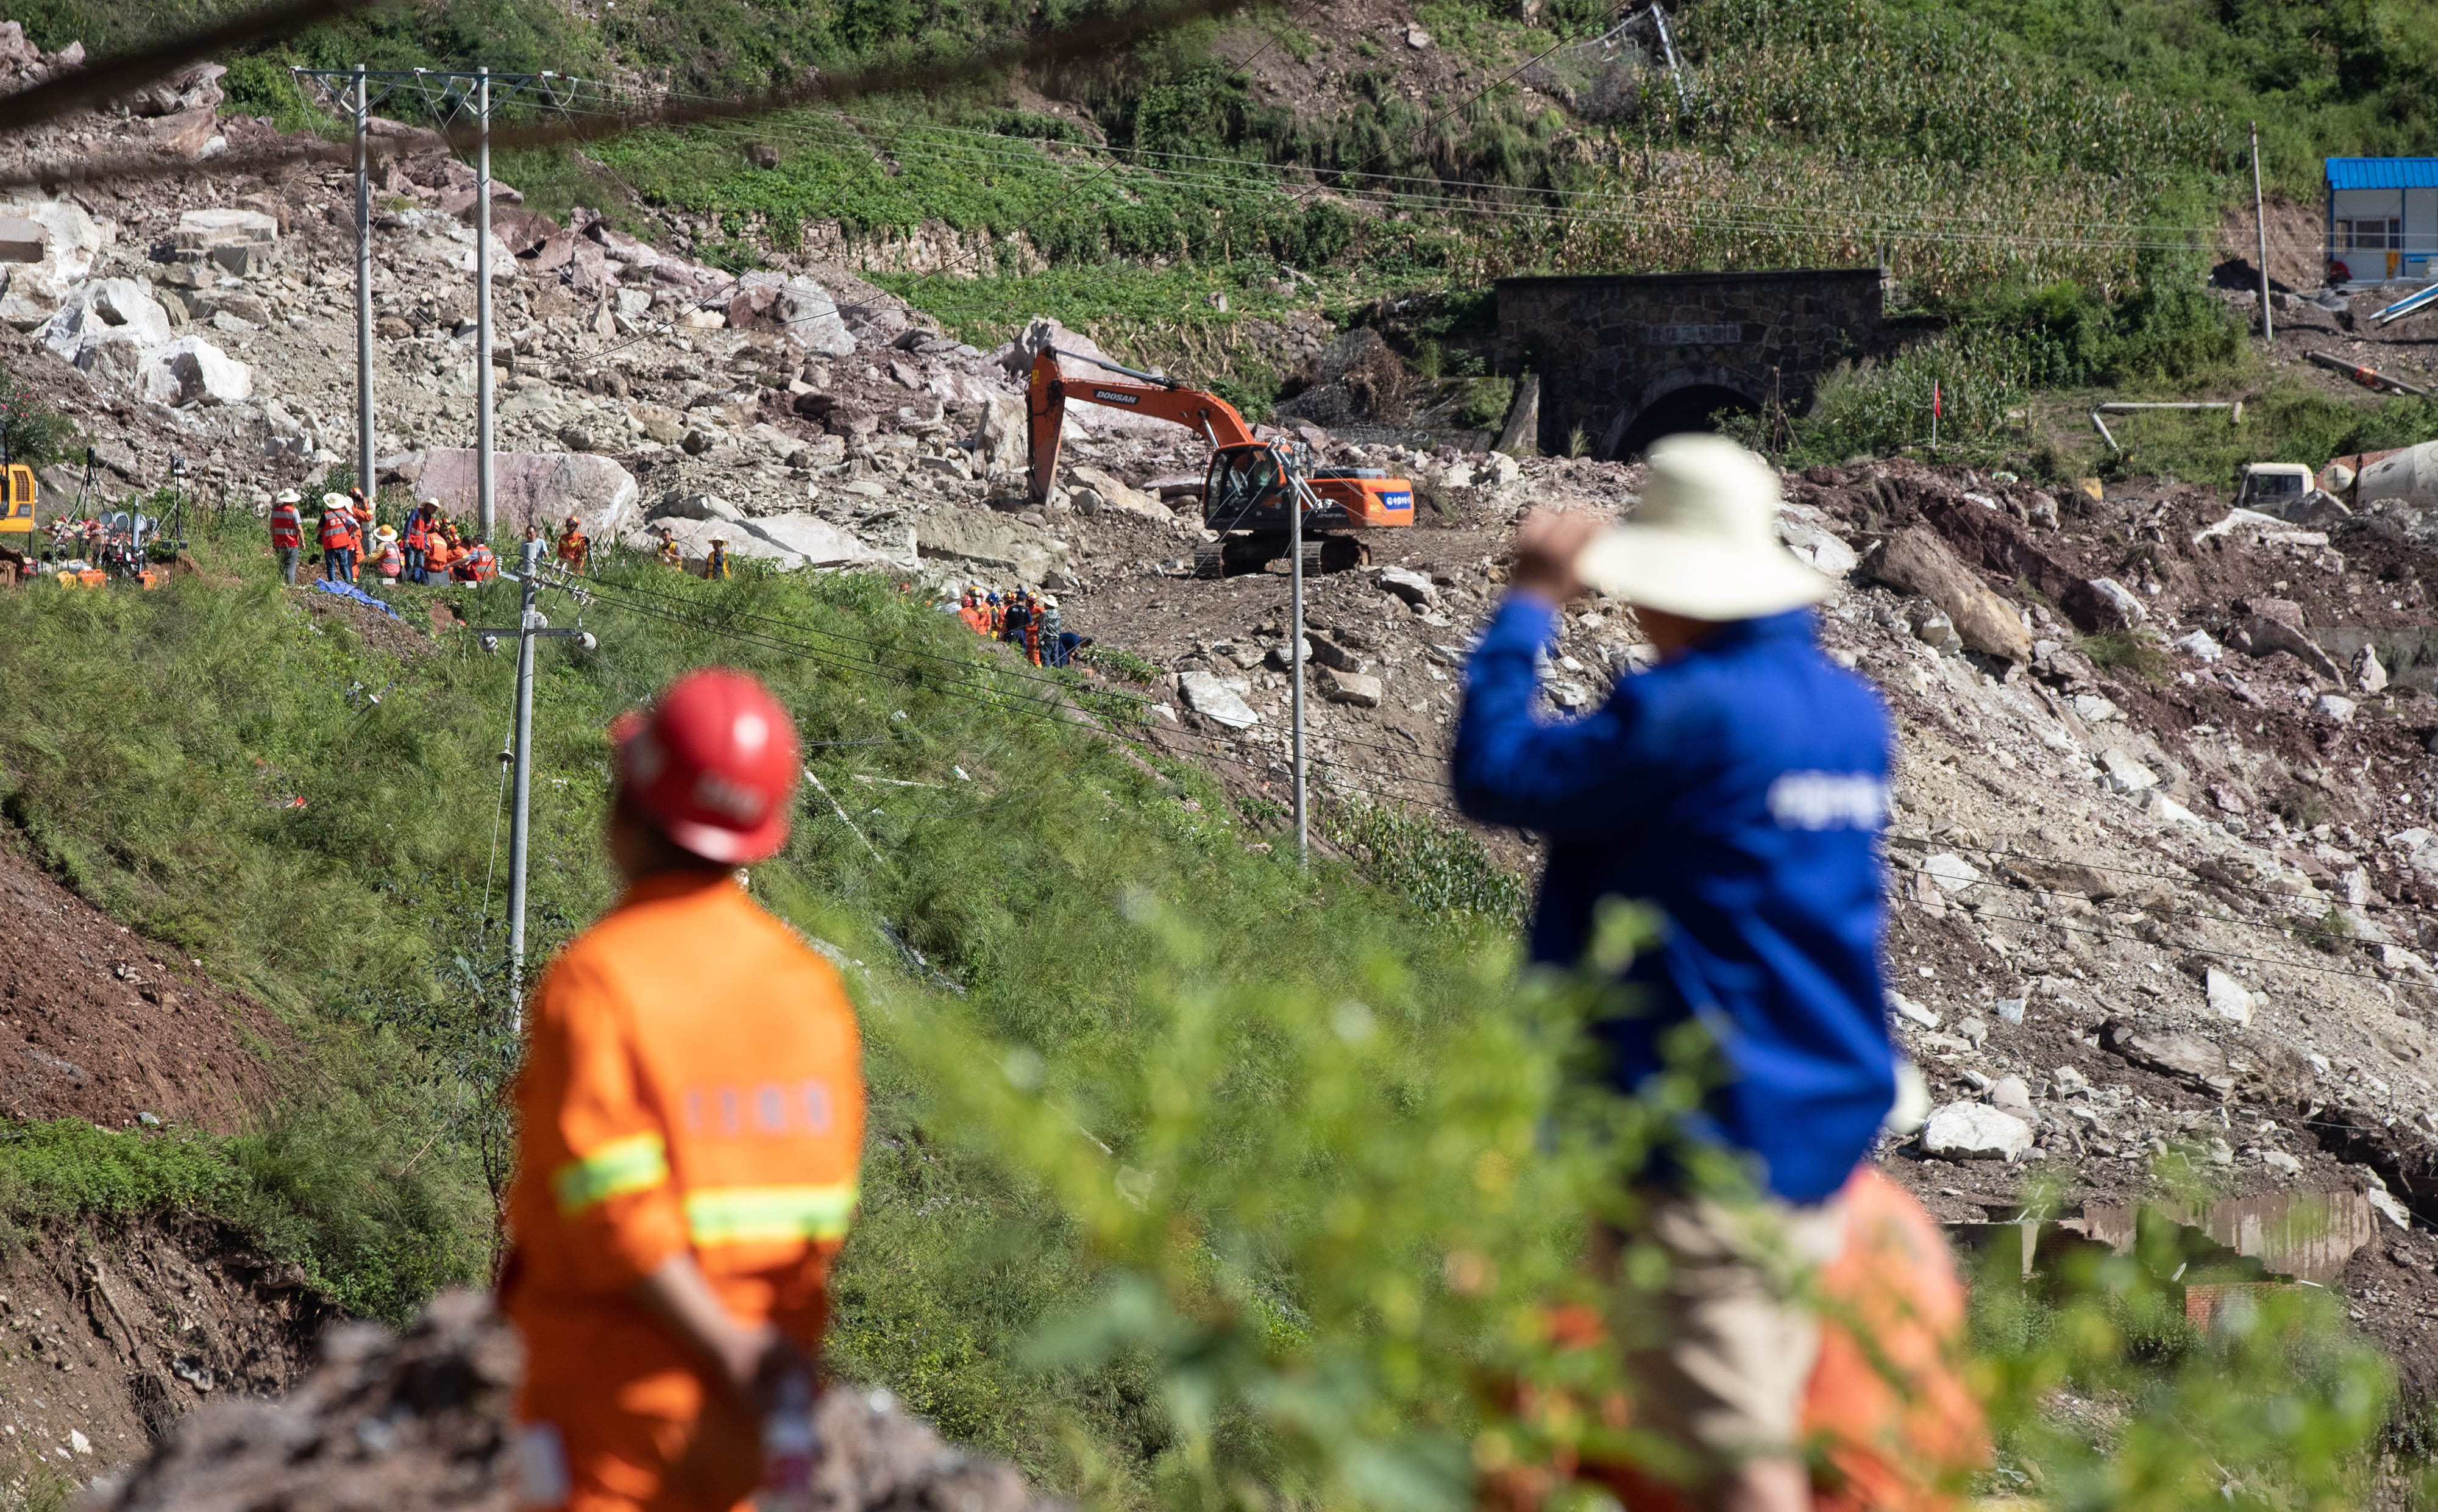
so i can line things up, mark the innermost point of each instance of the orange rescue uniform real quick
(692, 1084)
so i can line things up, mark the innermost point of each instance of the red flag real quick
(1933, 397)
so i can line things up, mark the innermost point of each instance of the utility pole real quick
(448, 93)
(483, 319)
(363, 286)
(1295, 614)
(2260, 223)
(530, 626)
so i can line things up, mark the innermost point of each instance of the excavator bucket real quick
(20, 512)
(1045, 411)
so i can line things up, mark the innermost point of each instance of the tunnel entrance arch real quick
(1623, 357)
(1687, 407)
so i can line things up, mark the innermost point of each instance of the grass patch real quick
(2127, 651)
(160, 740)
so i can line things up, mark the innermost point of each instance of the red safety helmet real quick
(714, 765)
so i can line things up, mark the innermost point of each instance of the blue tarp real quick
(2383, 174)
(349, 590)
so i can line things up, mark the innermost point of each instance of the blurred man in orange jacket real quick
(693, 1111)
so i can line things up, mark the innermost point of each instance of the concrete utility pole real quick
(1295, 632)
(364, 287)
(447, 93)
(2260, 223)
(530, 628)
(483, 311)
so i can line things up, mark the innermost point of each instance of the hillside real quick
(1195, 1176)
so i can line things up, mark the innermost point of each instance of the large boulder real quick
(1080, 364)
(991, 542)
(787, 542)
(1914, 560)
(72, 239)
(202, 230)
(191, 370)
(106, 327)
(536, 488)
(797, 308)
(1975, 1131)
(1006, 449)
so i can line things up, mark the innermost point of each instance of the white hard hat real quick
(1703, 544)
(433, 503)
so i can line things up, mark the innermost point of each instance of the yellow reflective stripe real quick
(635, 1164)
(748, 1215)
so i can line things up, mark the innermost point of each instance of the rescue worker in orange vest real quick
(287, 533)
(439, 556)
(573, 550)
(363, 510)
(691, 1128)
(479, 565)
(419, 528)
(337, 536)
(391, 561)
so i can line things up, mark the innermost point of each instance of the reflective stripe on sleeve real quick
(748, 1215)
(635, 1164)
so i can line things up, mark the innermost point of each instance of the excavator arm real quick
(1047, 397)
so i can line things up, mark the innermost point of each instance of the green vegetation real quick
(1208, 1183)
(2127, 651)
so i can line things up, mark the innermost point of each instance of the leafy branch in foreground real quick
(1322, 1225)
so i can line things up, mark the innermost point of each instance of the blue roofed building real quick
(2382, 219)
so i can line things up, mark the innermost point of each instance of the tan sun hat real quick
(289, 496)
(1704, 542)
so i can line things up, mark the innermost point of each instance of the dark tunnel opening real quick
(1695, 407)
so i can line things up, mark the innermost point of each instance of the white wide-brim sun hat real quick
(1704, 543)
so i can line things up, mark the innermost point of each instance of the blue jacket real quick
(1740, 787)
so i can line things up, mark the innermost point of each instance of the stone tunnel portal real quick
(1625, 358)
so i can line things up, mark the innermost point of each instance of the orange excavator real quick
(1246, 496)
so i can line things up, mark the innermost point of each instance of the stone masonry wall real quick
(1609, 346)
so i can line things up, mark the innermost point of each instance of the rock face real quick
(421, 1421)
(1974, 1131)
(989, 542)
(1917, 561)
(535, 488)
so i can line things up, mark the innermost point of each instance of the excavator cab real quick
(1244, 490)
(20, 515)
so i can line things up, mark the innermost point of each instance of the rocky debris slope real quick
(102, 1024)
(421, 1420)
(111, 1331)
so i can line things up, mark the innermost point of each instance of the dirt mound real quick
(100, 1024)
(421, 1420)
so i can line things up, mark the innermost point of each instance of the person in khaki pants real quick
(1740, 785)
